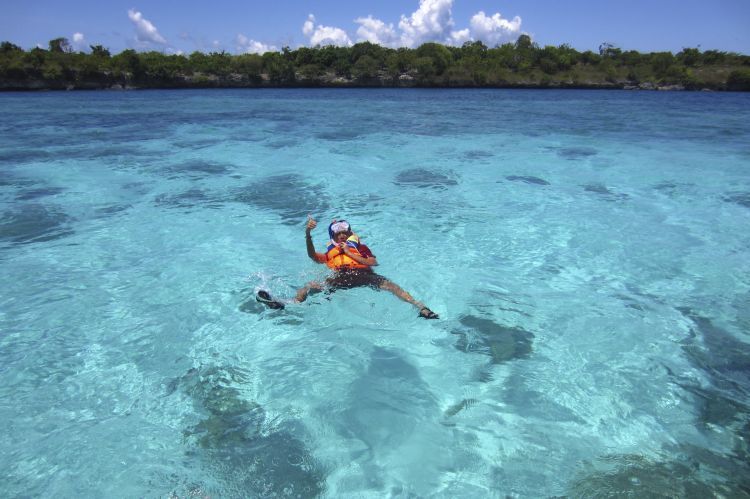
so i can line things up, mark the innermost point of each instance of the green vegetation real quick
(519, 64)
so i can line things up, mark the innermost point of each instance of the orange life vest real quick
(336, 260)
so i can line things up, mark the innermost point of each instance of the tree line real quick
(474, 64)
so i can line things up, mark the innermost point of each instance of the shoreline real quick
(522, 64)
(41, 86)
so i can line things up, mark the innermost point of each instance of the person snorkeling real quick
(351, 262)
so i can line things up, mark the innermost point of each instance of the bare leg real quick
(424, 311)
(305, 290)
(400, 293)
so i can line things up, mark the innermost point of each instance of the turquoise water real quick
(588, 253)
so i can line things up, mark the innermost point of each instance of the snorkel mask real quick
(342, 226)
(338, 226)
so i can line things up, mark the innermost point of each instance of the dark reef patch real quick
(286, 126)
(527, 179)
(630, 302)
(484, 336)
(597, 189)
(34, 223)
(109, 151)
(289, 195)
(718, 409)
(726, 361)
(41, 192)
(362, 206)
(723, 356)
(605, 192)
(576, 153)
(9, 180)
(387, 402)
(120, 150)
(281, 143)
(666, 186)
(530, 403)
(113, 209)
(477, 154)
(197, 168)
(247, 135)
(338, 135)
(423, 178)
(250, 455)
(192, 198)
(195, 143)
(740, 198)
(671, 189)
(24, 155)
(733, 467)
(636, 476)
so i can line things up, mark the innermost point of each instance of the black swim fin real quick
(428, 314)
(265, 298)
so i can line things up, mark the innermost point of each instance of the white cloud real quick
(246, 45)
(78, 41)
(459, 37)
(309, 26)
(431, 22)
(376, 31)
(324, 35)
(328, 35)
(495, 29)
(145, 32)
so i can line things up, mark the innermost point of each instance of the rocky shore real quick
(236, 80)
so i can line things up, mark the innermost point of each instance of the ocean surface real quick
(588, 253)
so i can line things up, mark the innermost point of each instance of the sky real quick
(245, 26)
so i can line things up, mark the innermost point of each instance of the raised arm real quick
(316, 257)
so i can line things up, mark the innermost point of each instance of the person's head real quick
(339, 231)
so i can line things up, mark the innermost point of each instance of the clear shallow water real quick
(588, 253)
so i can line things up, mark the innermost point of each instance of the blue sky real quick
(255, 26)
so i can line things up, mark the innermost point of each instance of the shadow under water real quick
(740, 198)
(391, 413)
(527, 179)
(34, 223)
(250, 455)
(576, 153)
(289, 195)
(476, 154)
(197, 168)
(605, 192)
(501, 343)
(726, 360)
(38, 193)
(388, 401)
(637, 476)
(423, 178)
(696, 471)
(191, 199)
